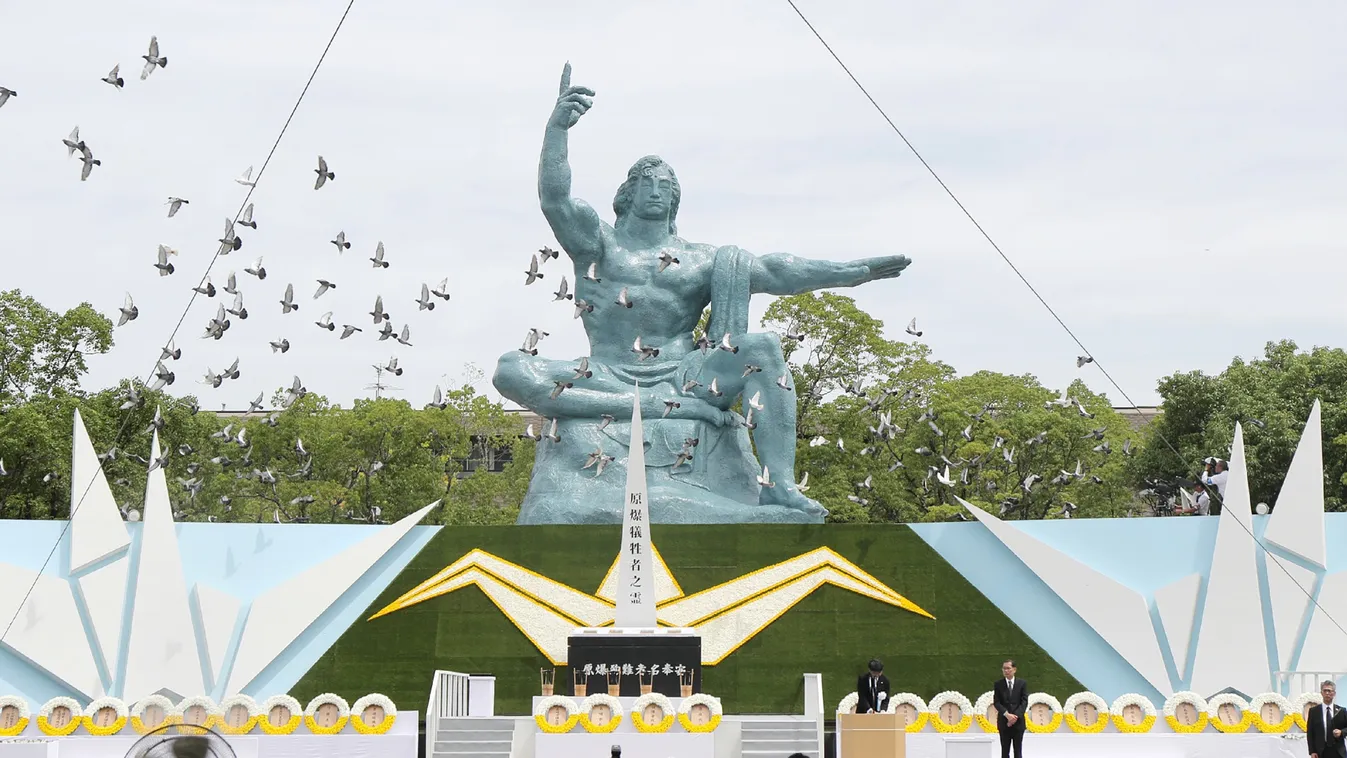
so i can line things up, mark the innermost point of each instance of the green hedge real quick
(832, 631)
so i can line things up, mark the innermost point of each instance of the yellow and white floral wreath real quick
(171, 715)
(908, 698)
(233, 701)
(1086, 698)
(20, 705)
(290, 704)
(382, 701)
(547, 704)
(638, 713)
(1171, 710)
(327, 698)
(587, 707)
(1055, 705)
(99, 704)
(685, 713)
(50, 707)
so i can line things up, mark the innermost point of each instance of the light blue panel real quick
(994, 570)
(1142, 553)
(19, 677)
(349, 609)
(243, 560)
(27, 544)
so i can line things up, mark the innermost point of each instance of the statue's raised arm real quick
(576, 226)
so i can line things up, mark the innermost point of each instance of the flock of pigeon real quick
(881, 434)
(221, 321)
(884, 439)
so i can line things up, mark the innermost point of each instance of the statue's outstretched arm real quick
(783, 274)
(576, 226)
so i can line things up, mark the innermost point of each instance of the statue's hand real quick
(887, 266)
(572, 102)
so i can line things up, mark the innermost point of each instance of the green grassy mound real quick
(832, 631)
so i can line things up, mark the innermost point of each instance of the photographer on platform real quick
(1215, 475)
(1202, 500)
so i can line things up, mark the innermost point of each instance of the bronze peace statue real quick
(640, 290)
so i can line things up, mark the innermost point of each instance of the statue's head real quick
(650, 192)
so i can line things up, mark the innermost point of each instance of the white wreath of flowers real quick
(99, 704)
(848, 703)
(701, 698)
(919, 705)
(382, 701)
(1283, 705)
(685, 712)
(906, 698)
(211, 708)
(980, 712)
(1086, 698)
(327, 698)
(945, 698)
(138, 712)
(1147, 713)
(553, 701)
(666, 707)
(600, 698)
(1043, 698)
(1306, 698)
(228, 704)
(1214, 712)
(290, 704)
(1171, 711)
(44, 713)
(21, 705)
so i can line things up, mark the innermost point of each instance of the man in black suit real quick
(1010, 696)
(1319, 726)
(872, 689)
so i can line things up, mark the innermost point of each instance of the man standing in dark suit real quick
(1010, 696)
(1319, 726)
(872, 689)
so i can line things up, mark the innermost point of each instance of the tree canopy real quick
(42, 352)
(1271, 396)
(881, 424)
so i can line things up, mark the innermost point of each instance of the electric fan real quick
(181, 741)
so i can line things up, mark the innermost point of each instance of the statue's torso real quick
(666, 304)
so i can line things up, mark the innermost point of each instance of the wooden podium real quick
(872, 735)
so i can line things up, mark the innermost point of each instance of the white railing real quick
(813, 705)
(1293, 683)
(448, 698)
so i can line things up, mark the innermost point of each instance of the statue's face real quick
(654, 194)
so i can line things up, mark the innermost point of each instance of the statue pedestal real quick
(635, 652)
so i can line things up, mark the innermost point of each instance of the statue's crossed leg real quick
(774, 423)
(532, 382)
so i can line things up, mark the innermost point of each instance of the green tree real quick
(1271, 396)
(880, 420)
(376, 462)
(42, 352)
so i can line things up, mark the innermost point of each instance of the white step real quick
(495, 725)
(505, 754)
(450, 743)
(475, 735)
(781, 746)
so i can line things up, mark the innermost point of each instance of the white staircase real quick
(778, 736)
(473, 738)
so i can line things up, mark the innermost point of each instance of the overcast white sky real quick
(1169, 175)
